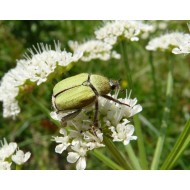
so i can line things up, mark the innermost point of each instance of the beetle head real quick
(114, 84)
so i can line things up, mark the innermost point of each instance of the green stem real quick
(140, 142)
(165, 119)
(106, 160)
(181, 144)
(138, 126)
(116, 154)
(125, 61)
(133, 158)
(153, 74)
(18, 167)
(147, 123)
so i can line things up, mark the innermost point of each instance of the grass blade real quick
(140, 141)
(179, 147)
(106, 160)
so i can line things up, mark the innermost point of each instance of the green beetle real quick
(75, 93)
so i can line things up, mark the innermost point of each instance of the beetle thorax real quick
(101, 84)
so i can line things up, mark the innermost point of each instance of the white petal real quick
(27, 156)
(63, 131)
(72, 157)
(19, 158)
(63, 140)
(130, 129)
(176, 51)
(4, 165)
(53, 115)
(61, 147)
(81, 163)
(126, 142)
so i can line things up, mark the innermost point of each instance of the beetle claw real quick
(94, 130)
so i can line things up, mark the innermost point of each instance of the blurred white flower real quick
(20, 157)
(6, 150)
(6, 155)
(111, 31)
(184, 46)
(174, 42)
(4, 165)
(123, 132)
(35, 68)
(79, 136)
(94, 49)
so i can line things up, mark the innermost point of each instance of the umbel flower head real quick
(175, 42)
(94, 49)
(7, 153)
(130, 30)
(78, 136)
(36, 69)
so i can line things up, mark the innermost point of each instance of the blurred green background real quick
(32, 129)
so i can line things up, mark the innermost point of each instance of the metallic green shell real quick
(69, 83)
(75, 98)
(70, 94)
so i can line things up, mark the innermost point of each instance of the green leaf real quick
(119, 158)
(178, 149)
(106, 160)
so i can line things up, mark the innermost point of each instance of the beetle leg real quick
(115, 100)
(69, 116)
(96, 113)
(88, 77)
(95, 125)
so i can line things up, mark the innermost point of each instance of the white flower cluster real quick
(79, 137)
(174, 42)
(36, 69)
(94, 49)
(111, 31)
(7, 153)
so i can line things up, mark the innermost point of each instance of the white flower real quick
(36, 69)
(111, 31)
(94, 49)
(82, 136)
(123, 132)
(20, 157)
(64, 141)
(7, 150)
(174, 42)
(78, 156)
(94, 141)
(80, 139)
(4, 165)
(115, 112)
(6, 153)
(183, 48)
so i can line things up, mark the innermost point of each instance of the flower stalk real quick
(140, 142)
(119, 158)
(136, 118)
(106, 160)
(153, 74)
(179, 147)
(165, 119)
(126, 65)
